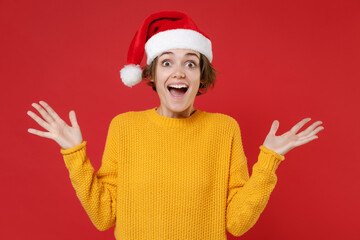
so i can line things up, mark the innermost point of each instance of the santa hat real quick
(160, 32)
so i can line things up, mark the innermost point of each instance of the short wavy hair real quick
(207, 74)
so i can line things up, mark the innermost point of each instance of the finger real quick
(315, 131)
(73, 120)
(43, 113)
(52, 113)
(274, 127)
(307, 131)
(37, 119)
(299, 125)
(305, 140)
(40, 133)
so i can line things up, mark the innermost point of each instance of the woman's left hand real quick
(289, 140)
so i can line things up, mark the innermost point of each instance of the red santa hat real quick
(158, 33)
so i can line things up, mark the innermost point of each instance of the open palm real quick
(66, 136)
(289, 140)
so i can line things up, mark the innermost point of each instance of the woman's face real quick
(177, 81)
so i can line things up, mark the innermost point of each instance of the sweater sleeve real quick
(247, 197)
(96, 191)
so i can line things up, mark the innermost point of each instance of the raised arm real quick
(248, 197)
(96, 191)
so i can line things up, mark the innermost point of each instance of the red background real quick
(283, 60)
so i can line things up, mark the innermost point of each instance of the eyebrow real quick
(187, 54)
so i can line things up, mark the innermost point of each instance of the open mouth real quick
(177, 90)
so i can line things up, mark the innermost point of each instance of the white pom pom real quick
(131, 74)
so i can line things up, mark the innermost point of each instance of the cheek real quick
(195, 76)
(161, 74)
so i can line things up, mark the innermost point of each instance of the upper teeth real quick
(178, 86)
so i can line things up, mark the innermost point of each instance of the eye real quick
(166, 63)
(191, 64)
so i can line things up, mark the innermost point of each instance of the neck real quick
(169, 114)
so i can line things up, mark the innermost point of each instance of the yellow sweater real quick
(166, 178)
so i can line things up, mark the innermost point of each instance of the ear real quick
(152, 81)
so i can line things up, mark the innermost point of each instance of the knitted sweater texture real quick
(166, 178)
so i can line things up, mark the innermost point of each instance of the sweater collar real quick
(173, 122)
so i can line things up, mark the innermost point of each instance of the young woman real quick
(172, 172)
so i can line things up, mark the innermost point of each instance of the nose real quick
(178, 72)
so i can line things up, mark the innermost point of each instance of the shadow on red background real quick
(283, 60)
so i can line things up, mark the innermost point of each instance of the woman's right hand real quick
(66, 136)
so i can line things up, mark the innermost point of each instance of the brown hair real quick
(207, 74)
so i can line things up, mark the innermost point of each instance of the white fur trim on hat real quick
(131, 74)
(177, 39)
